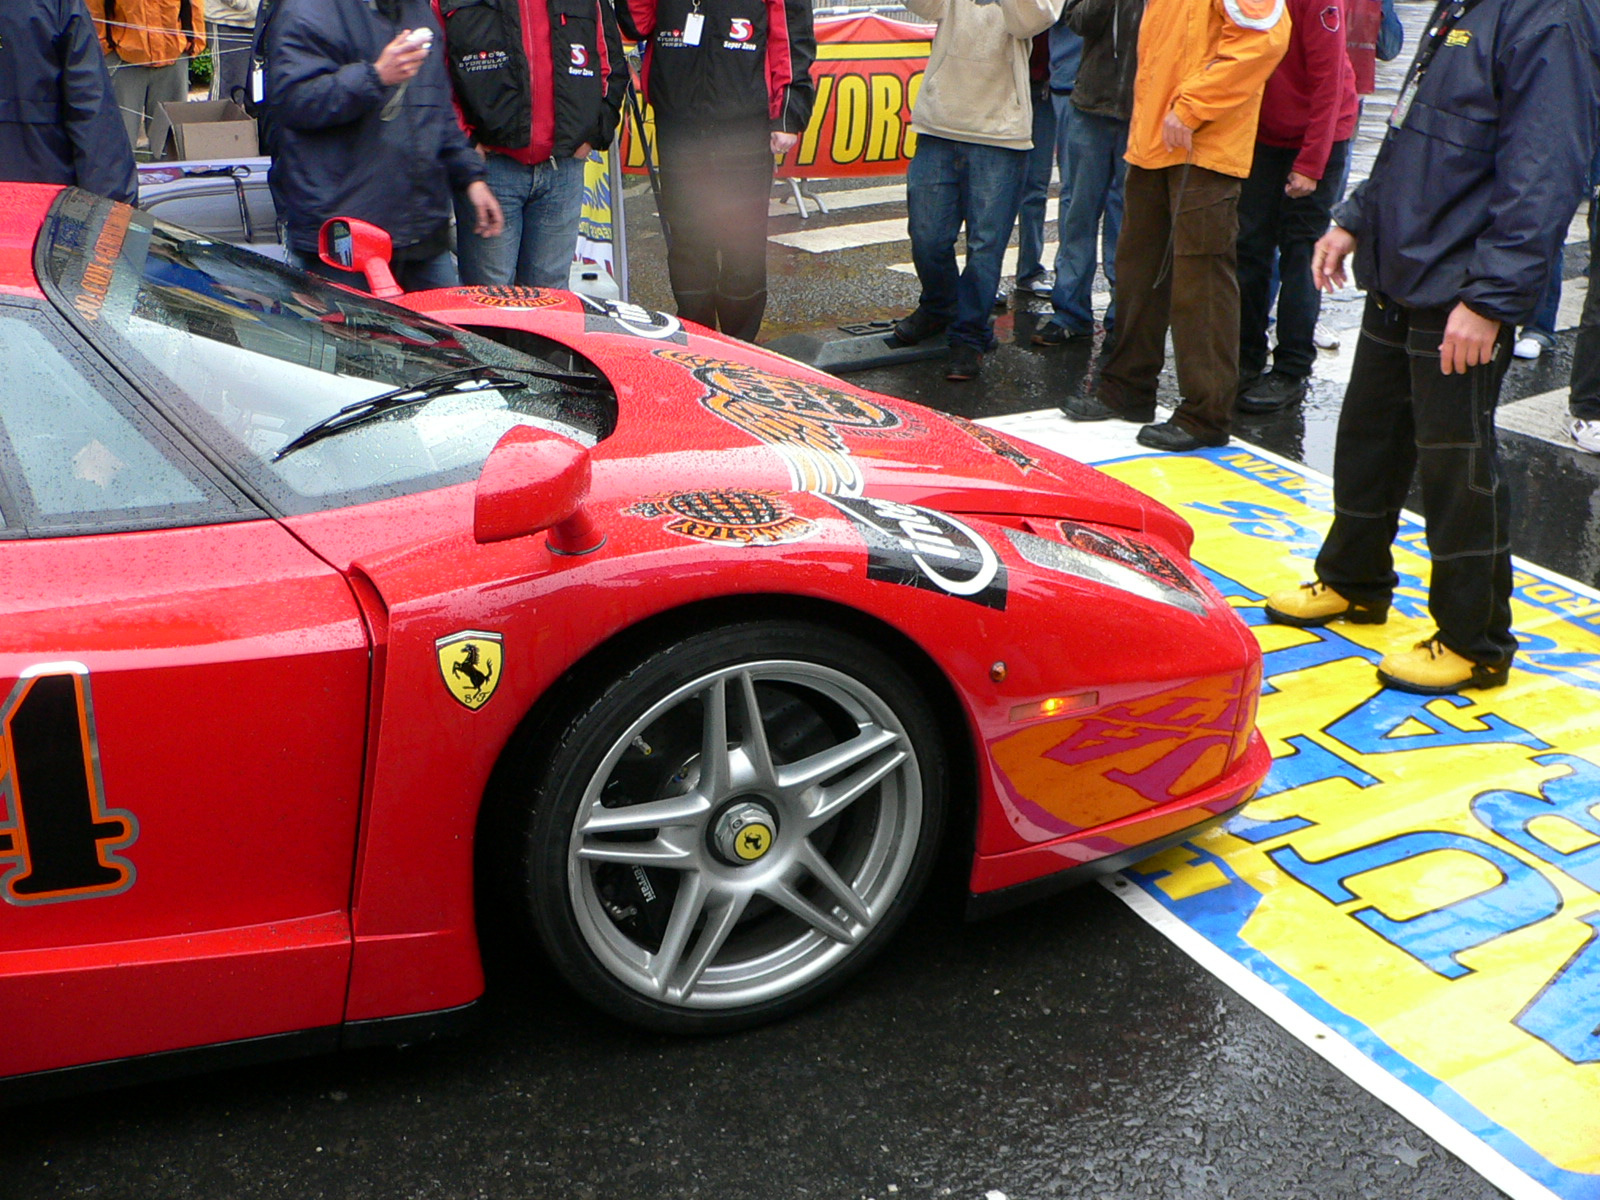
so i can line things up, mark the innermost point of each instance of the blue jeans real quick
(1036, 192)
(420, 276)
(947, 185)
(1544, 317)
(542, 205)
(1095, 146)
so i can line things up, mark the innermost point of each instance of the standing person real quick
(1583, 400)
(730, 82)
(974, 132)
(553, 96)
(230, 27)
(1453, 234)
(1097, 114)
(148, 44)
(1196, 97)
(1032, 276)
(64, 126)
(364, 129)
(1308, 114)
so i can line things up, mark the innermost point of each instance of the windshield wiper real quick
(431, 388)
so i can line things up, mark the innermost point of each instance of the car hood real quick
(696, 410)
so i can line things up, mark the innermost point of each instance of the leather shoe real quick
(1433, 669)
(919, 326)
(1271, 392)
(1054, 333)
(1315, 604)
(965, 362)
(1086, 408)
(1169, 435)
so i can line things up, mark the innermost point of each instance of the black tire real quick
(714, 910)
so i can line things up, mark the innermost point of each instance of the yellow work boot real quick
(1316, 603)
(1433, 669)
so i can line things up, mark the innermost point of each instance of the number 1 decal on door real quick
(58, 840)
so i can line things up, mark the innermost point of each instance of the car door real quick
(183, 692)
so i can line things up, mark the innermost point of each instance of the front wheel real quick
(734, 827)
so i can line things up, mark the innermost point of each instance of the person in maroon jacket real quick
(1308, 113)
(538, 85)
(730, 81)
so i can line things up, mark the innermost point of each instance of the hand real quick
(1327, 260)
(1468, 340)
(1299, 185)
(491, 222)
(399, 61)
(782, 142)
(583, 151)
(1175, 134)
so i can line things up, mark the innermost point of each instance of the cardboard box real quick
(202, 129)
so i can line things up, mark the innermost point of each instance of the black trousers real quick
(1403, 415)
(1585, 399)
(715, 186)
(1272, 224)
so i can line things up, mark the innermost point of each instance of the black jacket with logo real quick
(58, 117)
(752, 65)
(1470, 198)
(536, 79)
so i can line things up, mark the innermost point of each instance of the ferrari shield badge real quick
(470, 663)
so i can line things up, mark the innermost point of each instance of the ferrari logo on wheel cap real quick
(470, 664)
(752, 842)
(744, 833)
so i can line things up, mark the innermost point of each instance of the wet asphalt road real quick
(1063, 1050)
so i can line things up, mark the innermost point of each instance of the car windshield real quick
(249, 355)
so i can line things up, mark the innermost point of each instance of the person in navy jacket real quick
(1454, 235)
(364, 128)
(58, 116)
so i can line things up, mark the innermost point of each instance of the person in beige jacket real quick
(230, 27)
(974, 125)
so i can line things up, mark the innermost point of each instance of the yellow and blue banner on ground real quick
(1419, 874)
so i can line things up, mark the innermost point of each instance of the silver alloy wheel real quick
(841, 827)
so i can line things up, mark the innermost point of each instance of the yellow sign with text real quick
(1421, 873)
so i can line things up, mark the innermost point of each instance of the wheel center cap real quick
(744, 832)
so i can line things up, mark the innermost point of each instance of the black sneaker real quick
(1086, 408)
(1001, 299)
(919, 326)
(1169, 435)
(1053, 333)
(1273, 391)
(965, 362)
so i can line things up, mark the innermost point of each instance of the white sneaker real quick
(1585, 434)
(1325, 338)
(1527, 346)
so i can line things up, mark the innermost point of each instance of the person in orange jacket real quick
(1203, 65)
(148, 44)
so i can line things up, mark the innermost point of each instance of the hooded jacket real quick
(1110, 31)
(976, 86)
(1470, 198)
(58, 117)
(347, 146)
(1310, 102)
(149, 33)
(1208, 61)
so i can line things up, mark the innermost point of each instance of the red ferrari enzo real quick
(321, 615)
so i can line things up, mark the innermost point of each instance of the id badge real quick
(692, 25)
(258, 83)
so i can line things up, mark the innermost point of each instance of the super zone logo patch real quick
(58, 839)
(799, 419)
(918, 547)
